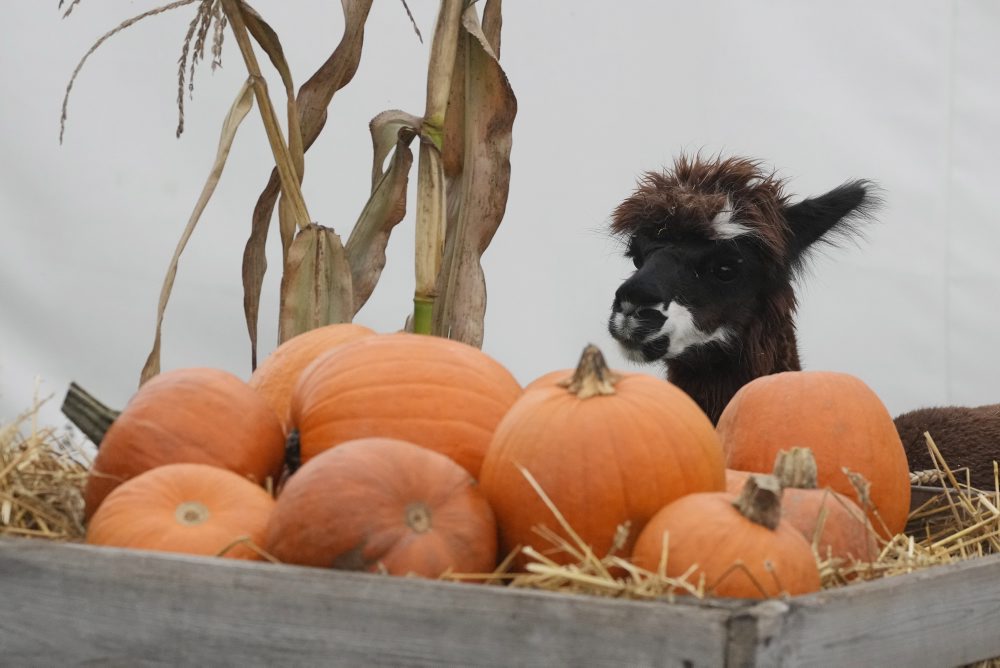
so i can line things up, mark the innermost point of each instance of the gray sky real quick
(908, 96)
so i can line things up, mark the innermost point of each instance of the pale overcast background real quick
(904, 92)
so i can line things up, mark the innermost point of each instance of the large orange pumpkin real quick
(738, 544)
(196, 415)
(444, 395)
(836, 416)
(190, 508)
(606, 447)
(384, 505)
(278, 373)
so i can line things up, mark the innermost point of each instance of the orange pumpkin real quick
(444, 395)
(830, 521)
(384, 505)
(196, 415)
(606, 447)
(278, 373)
(190, 508)
(738, 544)
(836, 416)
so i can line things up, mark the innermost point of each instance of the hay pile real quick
(42, 472)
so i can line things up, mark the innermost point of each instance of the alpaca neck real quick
(711, 378)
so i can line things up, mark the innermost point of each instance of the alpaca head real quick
(716, 245)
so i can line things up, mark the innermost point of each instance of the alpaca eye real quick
(637, 260)
(726, 271)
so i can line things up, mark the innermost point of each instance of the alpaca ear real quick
(831, 217)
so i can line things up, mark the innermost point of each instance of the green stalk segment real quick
(422, 309)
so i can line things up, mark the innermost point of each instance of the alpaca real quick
(716, 247)
(967, 438)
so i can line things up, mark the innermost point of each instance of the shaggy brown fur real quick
(680, 204)
(966, 437)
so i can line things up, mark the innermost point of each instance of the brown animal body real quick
(968, 437)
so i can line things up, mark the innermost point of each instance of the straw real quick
(42, 473)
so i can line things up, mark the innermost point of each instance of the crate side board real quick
(942, 616)
(77, 604)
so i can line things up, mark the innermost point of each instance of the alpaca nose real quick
(633, 296)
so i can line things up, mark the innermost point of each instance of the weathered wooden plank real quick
(80, 605)
(943, 616)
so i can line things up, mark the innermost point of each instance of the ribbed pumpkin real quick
(195, 415)
(740, 544)
(836, 416)
(190, 508)
(606, 447)
(831, 521)
(384, 505)
(444, 395)
(275, 377)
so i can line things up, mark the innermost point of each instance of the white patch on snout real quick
(622, 324)
(683, 332)
(723, 225)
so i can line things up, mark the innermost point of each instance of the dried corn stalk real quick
(463, 169)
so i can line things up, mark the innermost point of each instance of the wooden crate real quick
(78, 605)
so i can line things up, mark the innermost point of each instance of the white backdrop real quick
(903, 92)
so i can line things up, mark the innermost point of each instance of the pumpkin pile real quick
(408, 454)
(390, 431)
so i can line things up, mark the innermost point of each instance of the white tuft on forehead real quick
(723, 225)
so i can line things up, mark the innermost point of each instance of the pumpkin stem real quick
(796, 468)
(592, 376)
(760, 500)
(293, 451)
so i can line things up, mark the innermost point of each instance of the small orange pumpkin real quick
(444, 395)
(845, 530)
(831, 521)
(606, 447)
(275, 377)
(380, 504)
(836, 416)
(739, 544)
(196, 415)
(189, 508)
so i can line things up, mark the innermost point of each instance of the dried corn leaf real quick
(492, 24)
(316, 285)
(268, 40)
(239, 110)
(392, 131)
(312, 101)
(487, 115)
